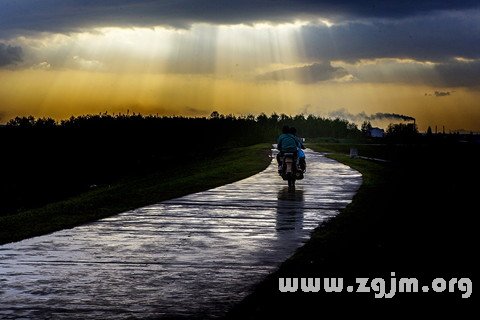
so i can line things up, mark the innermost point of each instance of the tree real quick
(366, 127)
(274, 117)
(352, 127)
(23, 122)
(45, 123)
(214, 115)
(401, 130)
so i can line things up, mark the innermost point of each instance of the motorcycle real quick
(290, 169)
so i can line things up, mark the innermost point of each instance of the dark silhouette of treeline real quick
(44, 160)
(267, 126)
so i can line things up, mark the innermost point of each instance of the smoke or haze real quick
(362, 116)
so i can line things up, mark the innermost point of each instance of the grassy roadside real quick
(201, 174)
(399, 221)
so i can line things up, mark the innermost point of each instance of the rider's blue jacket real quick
(287, 143)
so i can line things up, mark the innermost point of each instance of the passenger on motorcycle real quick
(301, 155)
(287, 143)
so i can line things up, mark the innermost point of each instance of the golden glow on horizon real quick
(205, 68)
(57, 94)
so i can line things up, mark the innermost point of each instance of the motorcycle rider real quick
(301, 155)
(287, 143)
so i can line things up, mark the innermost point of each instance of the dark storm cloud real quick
(458, 74)
(313, 73)
(447, 74)
(10, 54)
(434, 38)
(69, 15)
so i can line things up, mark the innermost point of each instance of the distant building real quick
(377, 133)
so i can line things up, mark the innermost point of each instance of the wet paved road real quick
(189, 257)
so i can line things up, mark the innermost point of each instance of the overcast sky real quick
(65, 15)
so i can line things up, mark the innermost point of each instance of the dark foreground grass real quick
(167, 183)
(413, 217)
